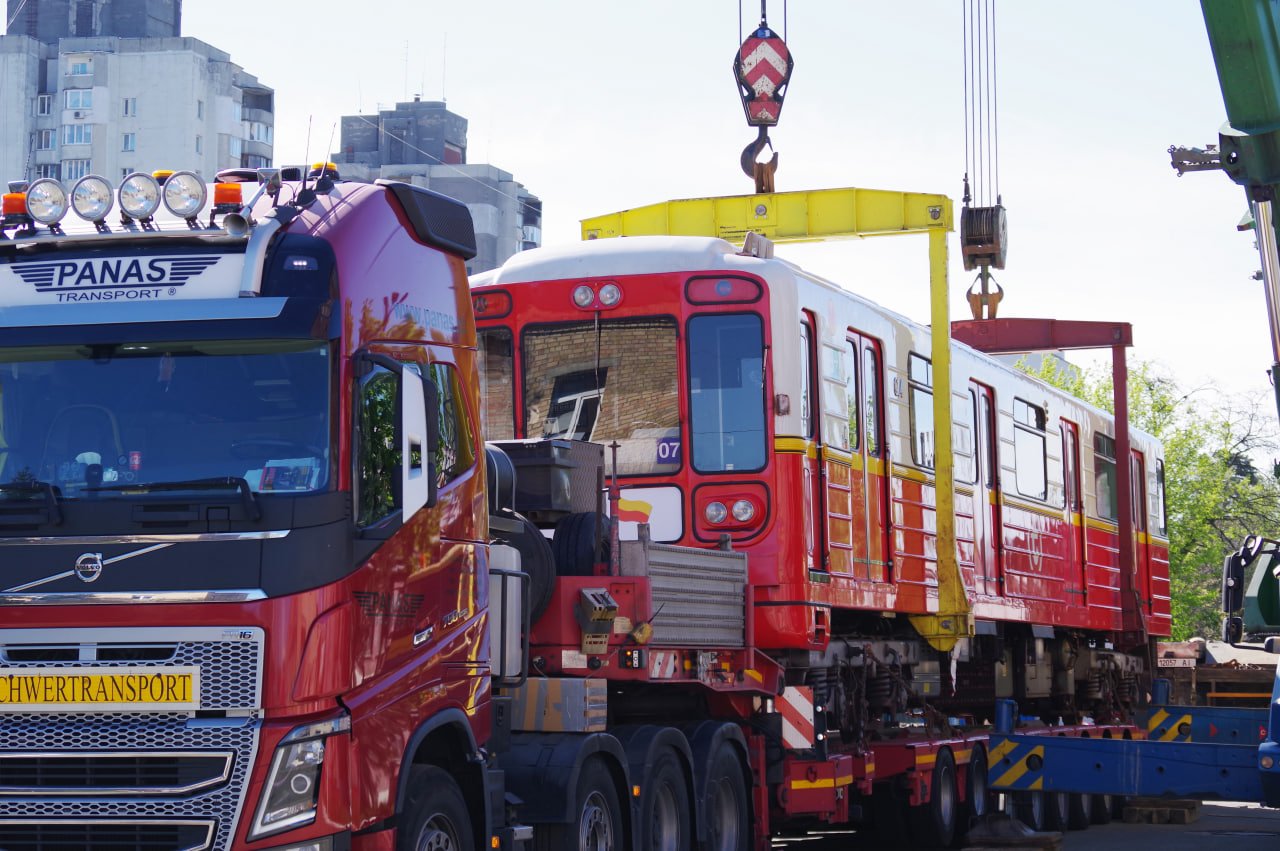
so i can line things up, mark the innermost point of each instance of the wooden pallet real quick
(1161, 811)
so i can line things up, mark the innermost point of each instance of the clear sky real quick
(601, 106)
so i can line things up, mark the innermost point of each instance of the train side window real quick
(838, 388)
(1137, 498)
(1104, 476)
(871, 400)
(806, 381)
(852, 394)
(1029, 449)
(920, 381)
(454, 454)
(1070, 456)
(1162, 513)
(964, 443)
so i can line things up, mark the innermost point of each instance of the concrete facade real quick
(110, 106)
(50, 20)
(423, 143)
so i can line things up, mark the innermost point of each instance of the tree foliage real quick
(1215, 494)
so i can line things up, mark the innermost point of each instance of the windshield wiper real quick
(221, 483)
(51, 494)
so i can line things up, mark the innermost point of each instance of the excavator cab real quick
(1251, 604)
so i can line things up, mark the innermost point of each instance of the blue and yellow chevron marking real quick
(1009, 769)
(1162, 727)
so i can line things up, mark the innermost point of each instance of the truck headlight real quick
(292, 790)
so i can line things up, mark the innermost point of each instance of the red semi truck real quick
(265, 586)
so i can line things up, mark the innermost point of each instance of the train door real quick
(815, 514)
(1075, 508)
(867, 485)
(987, 533)
(1141, 550)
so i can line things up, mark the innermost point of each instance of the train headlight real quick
(583, 296)
(185, 194)
(1266, 762)
(91, 198)
(292, 789)
(139, 195)
(610, 294)
(47, 201)
(743, 511)
(715, 512)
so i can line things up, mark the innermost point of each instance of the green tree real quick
(1214, 492)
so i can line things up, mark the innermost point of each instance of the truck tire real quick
(596, 823)
(435, 816)
(666, 821)
(1079, 811)
(727, 808)
(1029, 808)
(1057, 810)
(1102, 807)
(574, 544)
(934, 822)
(536, 559)
(977, 793)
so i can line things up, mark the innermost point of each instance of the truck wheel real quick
(1056, 810)
(596, 816)
(1102, 806)
(977, 787)
(934, 823)
(1079, 811)
(665, 822)
(1029, 808)
(436, 814)
(574, 544)
(727, 814)
(537, 560)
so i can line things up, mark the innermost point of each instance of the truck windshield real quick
(86, 418)
(606, 382)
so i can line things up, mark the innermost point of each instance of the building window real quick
(44, 104)
(78, 65)
(79, 99)
(199, 144)
(259, 132)
(235, 147)
(1029, 449)
(130, 107)
(253, 161)
(199, 109)
(920, 381)
(75, 169)
(45, 140)
(124, 174)
(129, 142)
(49, 170)
(77, 134)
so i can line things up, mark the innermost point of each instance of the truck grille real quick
(107, 780)
(114, 835)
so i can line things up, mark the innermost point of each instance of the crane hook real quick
(761, 172)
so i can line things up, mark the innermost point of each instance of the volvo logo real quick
(89, 567)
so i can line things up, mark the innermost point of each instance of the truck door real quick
(987, 532)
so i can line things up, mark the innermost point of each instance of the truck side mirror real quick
(1233, 582)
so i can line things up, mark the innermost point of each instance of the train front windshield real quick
(92, 421)
(616, 381)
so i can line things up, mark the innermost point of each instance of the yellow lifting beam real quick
(822, 214)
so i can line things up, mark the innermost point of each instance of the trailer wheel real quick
(665, 820)
(1029, 808)
(1102, 807)
(1079, 811)
(726, 813)
(537, 560)
(1057, 810)
(436, 814)
(977, 787)
(597, 816)
(574, 544)
(935, 822)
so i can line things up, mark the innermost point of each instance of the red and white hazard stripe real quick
(795, 705)
(663, 664)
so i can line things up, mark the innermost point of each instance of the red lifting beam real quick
(1015, 336)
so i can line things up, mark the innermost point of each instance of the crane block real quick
(801, 216)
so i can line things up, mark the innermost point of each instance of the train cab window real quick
(1104, 476)
(1029, 449)
(726, 392)
(871, 400)
(497, 383)
(920, 381)
(454, 453)
(1162, 522)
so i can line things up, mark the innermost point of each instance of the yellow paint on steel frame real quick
(807, 216)
(821, 214)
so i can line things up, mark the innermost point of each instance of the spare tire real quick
(574, 544)
(536, 560)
